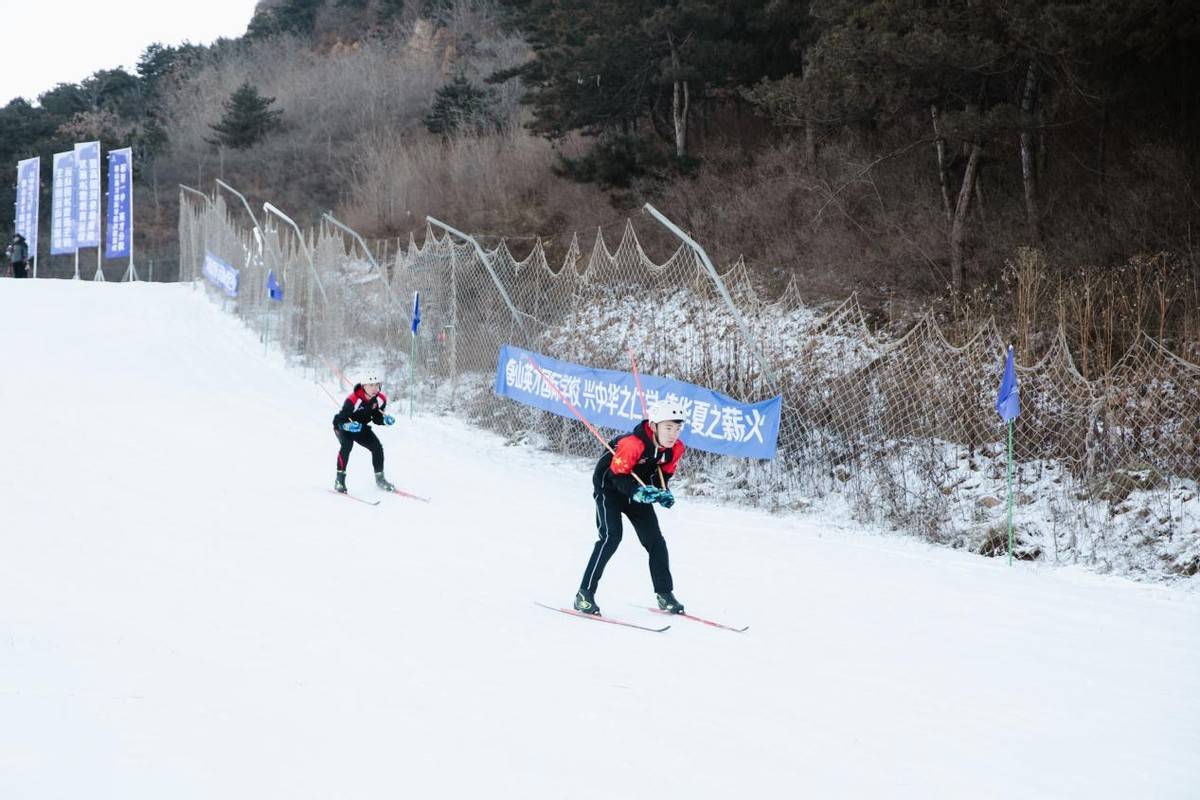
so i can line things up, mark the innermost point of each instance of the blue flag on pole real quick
(274, 290)
(63, 212)
(1008, 400)
(28, 190)
(416, 315)
(87, 194)
(120, 204)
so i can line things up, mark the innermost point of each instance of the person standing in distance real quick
(652, 453)
(352, 425)
(18, 255)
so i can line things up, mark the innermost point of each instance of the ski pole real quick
(336, 371)
(578, 416)
(638, 382)
(662, 482)
(326, 391)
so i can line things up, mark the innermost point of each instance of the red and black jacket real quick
(360, 408)
(636, 454)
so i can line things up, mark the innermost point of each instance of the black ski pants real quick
(18, 269)
(609, 508)
(366, 438)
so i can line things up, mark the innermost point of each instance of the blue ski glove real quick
(352, 426)
(388, 419)
(666, 499)
(646, 494)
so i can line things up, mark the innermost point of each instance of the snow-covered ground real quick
(186, 611)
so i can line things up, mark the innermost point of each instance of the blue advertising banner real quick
(87, 194)
(63, 213)
(29, 187)
(606, 398)
(120, 204)
(221, 274)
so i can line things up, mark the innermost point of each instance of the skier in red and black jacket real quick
(651, 452)
(351, 425)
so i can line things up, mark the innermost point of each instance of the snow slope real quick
(187, 612)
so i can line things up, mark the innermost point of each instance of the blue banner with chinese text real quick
(63, 212)
(29, 183)
(120, 204)
(606, 398)
(220, 274)
(87, 194)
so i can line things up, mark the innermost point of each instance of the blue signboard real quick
(221, 274)
(63, 213)
(606, 398)
(29, 187)
(120, 204)
(87, 194)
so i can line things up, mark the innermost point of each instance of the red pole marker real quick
(575, 411)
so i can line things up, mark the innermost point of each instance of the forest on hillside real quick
(1018, 157)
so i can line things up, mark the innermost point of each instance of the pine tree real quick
(603, 68)
(248, 119)
(461, 106)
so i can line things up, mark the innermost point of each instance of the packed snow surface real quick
(187, 611)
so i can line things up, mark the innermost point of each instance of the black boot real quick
(382, 483)
(668, 603)
(585, 602)
(339, 483)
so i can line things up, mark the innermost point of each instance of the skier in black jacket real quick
(18, 255)
(652, 453)
(351, 425)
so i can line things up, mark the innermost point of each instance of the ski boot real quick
(383, 483)
(668, 603)
(585, 603)
(339, 483)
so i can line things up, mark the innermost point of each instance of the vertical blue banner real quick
(120, 204)
(29, 187)
(87, 194)
(63, 214)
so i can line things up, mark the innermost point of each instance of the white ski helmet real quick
(370, 375)
(664, 410)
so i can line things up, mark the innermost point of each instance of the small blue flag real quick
(274, 290)
(1008, 401)
(416, 315)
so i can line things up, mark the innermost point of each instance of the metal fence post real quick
(712, 272)
(367, 251)
(308, 311)
(208, 203)
(487, 265)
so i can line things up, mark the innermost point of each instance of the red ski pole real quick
(333, 368)
(638, 382)
(575, 411)
(645, 411)
(326, 391)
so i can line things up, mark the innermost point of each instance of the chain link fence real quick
(899, 431)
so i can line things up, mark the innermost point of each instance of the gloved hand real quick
(666, 499)
(388, 419)
(352, 426)
(646, 494)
